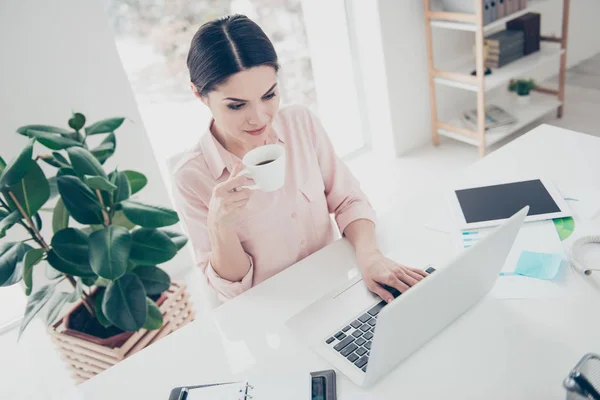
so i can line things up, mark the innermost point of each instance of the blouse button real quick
(294, 215)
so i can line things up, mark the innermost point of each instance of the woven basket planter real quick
(87, 359)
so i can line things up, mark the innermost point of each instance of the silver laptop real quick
(364, 338)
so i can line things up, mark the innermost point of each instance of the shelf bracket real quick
(546, 90)
(552, 39)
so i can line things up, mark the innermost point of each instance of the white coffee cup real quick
(266, 166)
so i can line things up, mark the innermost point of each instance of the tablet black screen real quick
(502, 201)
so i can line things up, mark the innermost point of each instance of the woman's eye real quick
(235, 106)
(269, 96)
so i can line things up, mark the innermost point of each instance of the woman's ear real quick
(195, 91)
(203, 99)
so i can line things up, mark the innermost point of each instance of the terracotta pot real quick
(88, 356)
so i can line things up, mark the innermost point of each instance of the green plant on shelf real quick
(521, 86)
(103, 242)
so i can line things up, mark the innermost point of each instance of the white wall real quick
(405, 61)
(59, 56)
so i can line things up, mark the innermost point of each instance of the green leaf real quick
(31, 192)
(61, 159)
(149, 216)
(125, 303)
(100, 183)
(104, 126)
(154, 319)
(119, 219)
(66, 172)
(154, 279)
(53, 187)
(77, 121)
(50, 160)
(98, 299)
(68, 268)
(51, 273)
(35, 303)
(106, 148)
(8, 221)
(31, 259)
(81, 203)
(51, 140)
(18, 168)
(11, 262)
(137, 181)
(102, 282)
(56, 160)
(179, 239)
(72, 245)
(123, 189)
(131, 266)
(44, 128)
(37, 221)
(109, 251)
(84, 163)
(60, 217)
(151, 247)
(89, 281)
(2, 165)
(55, 306)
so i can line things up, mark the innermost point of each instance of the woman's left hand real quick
(378, 270)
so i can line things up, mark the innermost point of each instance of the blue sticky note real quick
(538, 265)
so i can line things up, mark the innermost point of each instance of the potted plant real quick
(522, 87)
(104, 243)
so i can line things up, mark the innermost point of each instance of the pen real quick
(183, 394)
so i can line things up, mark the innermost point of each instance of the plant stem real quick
(31, 225)
(104, 213)
(85, 300)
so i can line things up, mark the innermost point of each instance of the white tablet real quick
(484, 206)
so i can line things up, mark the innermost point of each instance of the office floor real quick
(32, 367)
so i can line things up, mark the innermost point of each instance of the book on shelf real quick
(529, 24)
(495, 117)
(505, 38)
(501, 62)
(492, 9)
(508, 48)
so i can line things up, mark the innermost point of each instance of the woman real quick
(242, 237)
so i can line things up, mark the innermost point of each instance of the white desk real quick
(501, 349)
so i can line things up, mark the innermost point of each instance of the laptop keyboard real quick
(354, 340)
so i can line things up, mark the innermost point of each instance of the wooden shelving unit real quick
(552, 49)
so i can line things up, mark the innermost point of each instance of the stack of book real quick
(504, 47)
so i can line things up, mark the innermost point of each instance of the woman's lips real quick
(256, 132)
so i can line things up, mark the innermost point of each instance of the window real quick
(153, 38)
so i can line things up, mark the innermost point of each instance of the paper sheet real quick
(537, 265)
(584, 201)
(539, 237)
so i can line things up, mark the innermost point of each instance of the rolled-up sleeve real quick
(193, 213)
(345, 199)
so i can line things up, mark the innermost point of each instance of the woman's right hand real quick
(229, 199)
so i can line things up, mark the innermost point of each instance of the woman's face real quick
(245, 105)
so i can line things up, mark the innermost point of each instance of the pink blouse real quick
(280, 228)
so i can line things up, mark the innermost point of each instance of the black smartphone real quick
(323, 385)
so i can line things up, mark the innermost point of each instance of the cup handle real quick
(245, 171)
